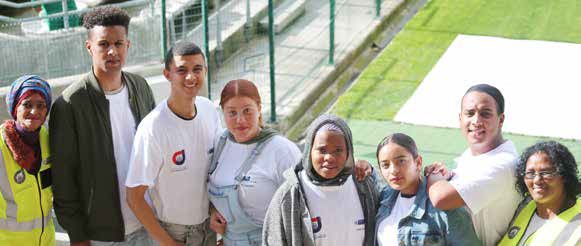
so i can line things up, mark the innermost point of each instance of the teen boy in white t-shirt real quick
(171, 153)
(484, 179)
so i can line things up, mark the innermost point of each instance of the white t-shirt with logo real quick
(123, 131)
(263, 179)
(336, 213)
(387, 229)
(171, 156)
(486, 183)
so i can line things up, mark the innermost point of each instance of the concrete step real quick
(285, 14)
(233, 23)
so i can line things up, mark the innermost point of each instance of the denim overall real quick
(240, 228)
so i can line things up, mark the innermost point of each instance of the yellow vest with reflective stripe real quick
(565, 228)
(25, 207)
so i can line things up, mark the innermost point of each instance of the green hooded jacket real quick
(84, 171)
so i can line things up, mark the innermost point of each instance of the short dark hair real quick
(106, 16)
(182, 48)
(400, 139)
(492, 92)
(560, 157)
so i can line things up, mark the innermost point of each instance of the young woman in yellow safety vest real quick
(550, 214)
(25, 180)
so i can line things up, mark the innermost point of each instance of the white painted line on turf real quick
(540, 80)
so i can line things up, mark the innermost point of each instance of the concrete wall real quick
(152, 71)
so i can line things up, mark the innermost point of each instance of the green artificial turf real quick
(434, 144)
(389, 81)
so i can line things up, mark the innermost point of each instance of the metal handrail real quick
(120, 5)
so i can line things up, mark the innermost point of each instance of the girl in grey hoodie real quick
(321, 201)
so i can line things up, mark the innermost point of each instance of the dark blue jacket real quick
(425, 224)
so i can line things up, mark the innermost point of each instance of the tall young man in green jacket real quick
(92, 127)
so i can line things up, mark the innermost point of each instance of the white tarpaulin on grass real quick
(541, 83)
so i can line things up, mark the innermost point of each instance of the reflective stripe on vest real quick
(13, 220)
(556, 230)
(575, 238)
(11, 224)
(11, 208)
(567, 234)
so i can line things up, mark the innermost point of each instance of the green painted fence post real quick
(332, 33)
(207, 45)
(377, 8)
(271, 56)
(163, 31)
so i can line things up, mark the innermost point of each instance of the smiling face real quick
(547, 190)
(480, 122)
(400, 168)
(186, 75)
(31, 112)
(242, 115)
(108, 46)
(329, 154)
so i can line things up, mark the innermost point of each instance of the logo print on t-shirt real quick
(179, 157)
(360, 222)
(316, 223)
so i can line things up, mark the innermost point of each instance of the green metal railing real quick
(207, 44)
(272, 61)
(163, 32)
(240, 39)
(51, 44)
(217, 43)
(332, 32)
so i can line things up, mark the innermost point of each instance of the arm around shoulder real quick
(378, 181)
(442, 194)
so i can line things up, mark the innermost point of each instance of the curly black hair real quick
(106, 16)
(563, 161)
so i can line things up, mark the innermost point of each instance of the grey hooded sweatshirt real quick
(288, 220)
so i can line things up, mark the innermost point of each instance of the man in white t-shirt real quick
(484, 180)
(171, 153)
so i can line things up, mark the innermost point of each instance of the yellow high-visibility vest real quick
(565, 229)
(25, 199)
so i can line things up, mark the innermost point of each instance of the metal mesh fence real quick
(301, 47)
(238, 42)
(42, 43)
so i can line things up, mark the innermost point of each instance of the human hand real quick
(439, 169)
(362, 169)
(217, 222)
(436, 168)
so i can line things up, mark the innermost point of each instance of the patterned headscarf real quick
(24, 84)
